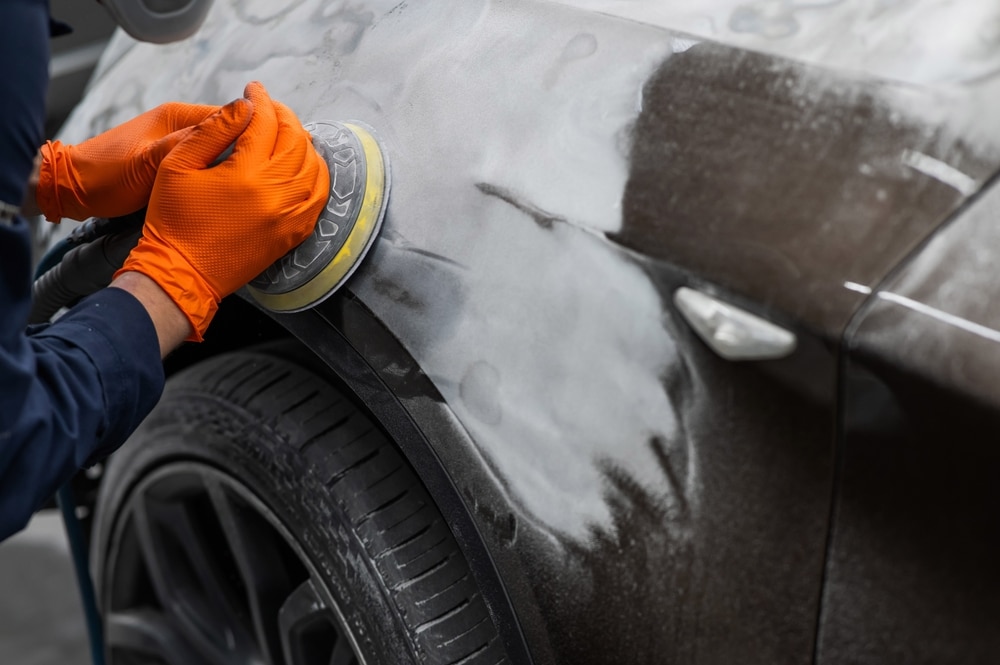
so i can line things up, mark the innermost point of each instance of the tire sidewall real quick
(194, 426)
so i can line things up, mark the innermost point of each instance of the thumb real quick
(210, 138)
(139, 172)
(178, 115)
(156, 151)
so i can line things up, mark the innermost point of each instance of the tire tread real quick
(396, 522)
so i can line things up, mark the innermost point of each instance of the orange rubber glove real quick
(210, 230)
(112, 174)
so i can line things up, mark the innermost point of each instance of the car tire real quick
(259, 515)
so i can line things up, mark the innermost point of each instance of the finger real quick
(292, 137)
(156, 151)
(139, 172)
(178, 116)
(147, 163)
(257, 142)
(312, 182)
(209, 139)
(136, 134)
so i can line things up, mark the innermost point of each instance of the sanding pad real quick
(346, 230)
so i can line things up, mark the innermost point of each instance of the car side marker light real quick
(731, 332)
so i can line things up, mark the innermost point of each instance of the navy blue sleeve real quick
(73, 391)
(24, 75)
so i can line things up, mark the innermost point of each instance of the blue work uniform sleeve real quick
(71, 392)
(24, 75)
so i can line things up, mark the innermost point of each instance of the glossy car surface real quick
(559, 170)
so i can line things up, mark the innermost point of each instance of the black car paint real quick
(757, 173)
(772, 472)
(744, 175)
(912, 575)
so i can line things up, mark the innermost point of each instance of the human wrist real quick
(171, 324)
(187, 289)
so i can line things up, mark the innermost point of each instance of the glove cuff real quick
(179, 280)
(45, 190)
(58, 184)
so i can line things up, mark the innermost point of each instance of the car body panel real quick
(912, 573)
(784, 183)
(557, 174)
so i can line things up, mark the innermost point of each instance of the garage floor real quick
(41, 622)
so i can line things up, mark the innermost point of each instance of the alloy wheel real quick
(203, 573)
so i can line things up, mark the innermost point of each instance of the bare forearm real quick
(171, 325)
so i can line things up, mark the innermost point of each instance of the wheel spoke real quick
(176, 518)
(152, 633)
(258, 559)
(204, 574)
(309, 634)
(153, 554)
(186, 578)
(342, 652)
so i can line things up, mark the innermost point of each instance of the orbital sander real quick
(85, 262)
(346, 229)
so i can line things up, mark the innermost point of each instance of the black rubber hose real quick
(83, 270)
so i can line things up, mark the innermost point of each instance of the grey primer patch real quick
(480, 392)
(542, 218)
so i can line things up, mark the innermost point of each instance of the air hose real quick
(83, 270)
(78, 551)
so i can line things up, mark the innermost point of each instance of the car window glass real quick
(917, 41)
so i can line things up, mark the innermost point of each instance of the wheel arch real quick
(363, 358)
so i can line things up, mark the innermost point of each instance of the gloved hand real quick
(210, 230)
(112, 174)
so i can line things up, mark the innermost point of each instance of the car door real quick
(912, 575)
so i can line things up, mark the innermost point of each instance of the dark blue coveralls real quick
(71, 392)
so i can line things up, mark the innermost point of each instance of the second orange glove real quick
(112, 174)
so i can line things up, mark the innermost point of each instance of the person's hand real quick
(211, 229)
(112, 174)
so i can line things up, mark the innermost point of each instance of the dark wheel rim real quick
(201, 572)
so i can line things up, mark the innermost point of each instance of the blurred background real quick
(41, 621)
(74, 56)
